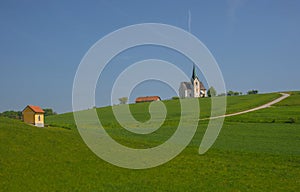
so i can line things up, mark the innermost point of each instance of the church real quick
(195, 88)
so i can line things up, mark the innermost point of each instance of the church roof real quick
(202, 86)
(188, 85)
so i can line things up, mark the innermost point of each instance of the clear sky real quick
(256, 44)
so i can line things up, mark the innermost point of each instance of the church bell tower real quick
(196, 83)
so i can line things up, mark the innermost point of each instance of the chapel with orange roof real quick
(33, 115)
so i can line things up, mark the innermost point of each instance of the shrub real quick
(291, 120)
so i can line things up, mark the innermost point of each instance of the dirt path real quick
(284, 96)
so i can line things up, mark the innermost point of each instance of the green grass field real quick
(286, 111)
(258, 151)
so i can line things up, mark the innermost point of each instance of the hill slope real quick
(246, 157)
(141, 113)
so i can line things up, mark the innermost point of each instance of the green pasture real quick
(141, 110)
(257, 151)
(286, 111)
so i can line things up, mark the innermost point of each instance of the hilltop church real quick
(195, 88)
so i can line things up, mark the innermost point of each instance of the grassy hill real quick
(252, 153)
(287, 111)
(141, 113)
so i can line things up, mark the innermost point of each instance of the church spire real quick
(194, 75)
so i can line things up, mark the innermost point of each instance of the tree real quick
(230, 93)
(233, 93)
(211, 92)
(12, 114)
(123, 100)
(49, 111)
(252, 92)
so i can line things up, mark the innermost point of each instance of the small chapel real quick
(195, 88)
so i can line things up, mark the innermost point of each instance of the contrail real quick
(190, 22)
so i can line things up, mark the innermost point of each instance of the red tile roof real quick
(36, 109)
(147, 99)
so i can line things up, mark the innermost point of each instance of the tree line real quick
(18, 114)
(212, 92)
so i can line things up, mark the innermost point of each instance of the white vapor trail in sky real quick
(190, 22)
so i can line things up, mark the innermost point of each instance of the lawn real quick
(248, 155)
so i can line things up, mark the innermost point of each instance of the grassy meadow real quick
(257, 151)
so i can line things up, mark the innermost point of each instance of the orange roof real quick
(36, 109)
(148, 98)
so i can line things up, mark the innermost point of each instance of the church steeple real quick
(194, 75)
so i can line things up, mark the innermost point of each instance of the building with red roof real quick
(147, 99)
(33, 115)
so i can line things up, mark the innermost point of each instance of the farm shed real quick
(33, 115)
(147, 99)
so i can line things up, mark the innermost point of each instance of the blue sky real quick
(256, 44)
